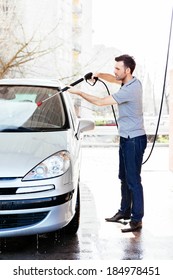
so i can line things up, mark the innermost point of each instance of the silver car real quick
(40, 140)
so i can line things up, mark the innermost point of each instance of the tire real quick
(73, 226)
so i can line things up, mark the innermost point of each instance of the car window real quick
(19, 109)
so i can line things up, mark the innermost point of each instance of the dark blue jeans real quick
(131, 153)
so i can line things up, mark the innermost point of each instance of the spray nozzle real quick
(90, 79)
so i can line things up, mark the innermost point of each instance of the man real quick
(133, 139)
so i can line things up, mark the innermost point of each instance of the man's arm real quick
(107, 77)
(99, 101)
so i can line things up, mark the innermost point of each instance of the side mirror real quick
(84, 125)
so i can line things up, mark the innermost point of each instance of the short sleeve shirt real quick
(129, 100)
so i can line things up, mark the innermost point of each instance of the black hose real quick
(163, 90)
(113, 110)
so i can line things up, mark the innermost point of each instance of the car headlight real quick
(53, 166)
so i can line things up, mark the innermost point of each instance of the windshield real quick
(19, 110)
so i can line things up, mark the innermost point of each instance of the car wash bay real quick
(100, 196)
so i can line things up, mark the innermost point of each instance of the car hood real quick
(20, 152)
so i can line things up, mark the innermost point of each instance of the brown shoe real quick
(134, 226)
(118, 216)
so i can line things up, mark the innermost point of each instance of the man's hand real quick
(74, 90)
(95, 75)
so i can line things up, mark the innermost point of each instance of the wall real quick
(171, 124)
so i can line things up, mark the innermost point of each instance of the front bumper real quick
(36, 212)
(25, 222)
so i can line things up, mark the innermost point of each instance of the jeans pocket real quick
(143, 142)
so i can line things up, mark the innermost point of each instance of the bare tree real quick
(16, 49)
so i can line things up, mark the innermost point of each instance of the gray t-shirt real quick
(129, 99)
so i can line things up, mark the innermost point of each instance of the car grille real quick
(8, 191)
(20, 220)
(36, 202)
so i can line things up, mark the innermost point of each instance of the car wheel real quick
(73, 226)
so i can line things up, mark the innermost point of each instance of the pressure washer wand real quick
(88, 76)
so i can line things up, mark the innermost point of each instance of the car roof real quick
(31, 82)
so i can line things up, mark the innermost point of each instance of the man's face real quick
(120, 71)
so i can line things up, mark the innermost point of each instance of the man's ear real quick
(128, 71)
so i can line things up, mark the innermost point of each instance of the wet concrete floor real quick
(100, 197)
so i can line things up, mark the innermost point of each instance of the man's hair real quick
(128, 60)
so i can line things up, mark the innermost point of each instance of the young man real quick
(133, 139)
